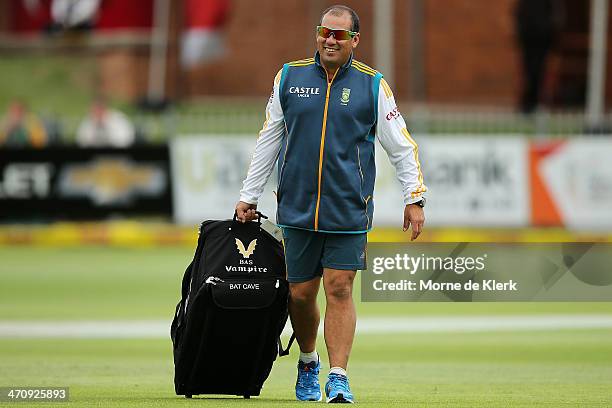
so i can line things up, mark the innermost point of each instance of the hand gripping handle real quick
(259, 216)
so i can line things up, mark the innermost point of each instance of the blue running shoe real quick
(307, 386)
(337, 389)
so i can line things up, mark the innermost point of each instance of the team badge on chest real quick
(346, 93)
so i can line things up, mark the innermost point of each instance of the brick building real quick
(469, 52)
(445, 51)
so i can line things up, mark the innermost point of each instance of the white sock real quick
(309, 357)
(338, 370)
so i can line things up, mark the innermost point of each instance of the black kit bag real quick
(234, 306)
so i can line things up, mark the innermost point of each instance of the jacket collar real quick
(343, 68)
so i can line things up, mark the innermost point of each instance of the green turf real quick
(124, 283)
(90, 282)
(504, 369)
(564, 368)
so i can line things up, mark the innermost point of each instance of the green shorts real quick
(308, 252)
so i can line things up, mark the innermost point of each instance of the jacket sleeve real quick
(401, 148)
(267, 149)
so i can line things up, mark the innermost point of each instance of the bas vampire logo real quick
(246, 265)
(246, 252)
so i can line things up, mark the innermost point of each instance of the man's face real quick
(334, 53)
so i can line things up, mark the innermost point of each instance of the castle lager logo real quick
(346, 93)
(246, 252)
(304, 92)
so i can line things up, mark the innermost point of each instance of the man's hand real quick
(413, 214)
(245, 211)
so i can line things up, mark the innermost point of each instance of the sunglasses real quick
(341, 35)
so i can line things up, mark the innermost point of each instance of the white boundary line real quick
(107, 329)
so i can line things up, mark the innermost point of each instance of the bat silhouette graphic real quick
(246, 252)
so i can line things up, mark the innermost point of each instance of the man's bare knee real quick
(339, 293)
(339, 287)
(304, 293)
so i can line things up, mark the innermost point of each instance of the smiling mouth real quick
(330, 50)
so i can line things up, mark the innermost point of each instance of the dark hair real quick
(339, 10)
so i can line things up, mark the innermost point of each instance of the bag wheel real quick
(187, 395)
(247, 396)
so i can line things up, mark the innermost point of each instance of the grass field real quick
(470, 370)
(553, 368)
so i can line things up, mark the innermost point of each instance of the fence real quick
(246, 117)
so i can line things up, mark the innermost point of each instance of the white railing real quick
(247, 119)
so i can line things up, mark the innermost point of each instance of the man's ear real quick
(355, 40)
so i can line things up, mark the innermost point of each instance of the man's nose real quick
(331, 40)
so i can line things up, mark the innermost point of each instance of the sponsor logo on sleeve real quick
(271, 96)
(394, 114)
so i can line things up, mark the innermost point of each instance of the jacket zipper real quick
(321, 149)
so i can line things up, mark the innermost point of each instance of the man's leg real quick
(340, 315)
(339, 331)
(304, 313)
(305, 321)
(303, 254)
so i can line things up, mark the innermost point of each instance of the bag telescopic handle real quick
(259, 216)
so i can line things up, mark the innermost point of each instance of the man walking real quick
(322, 120)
